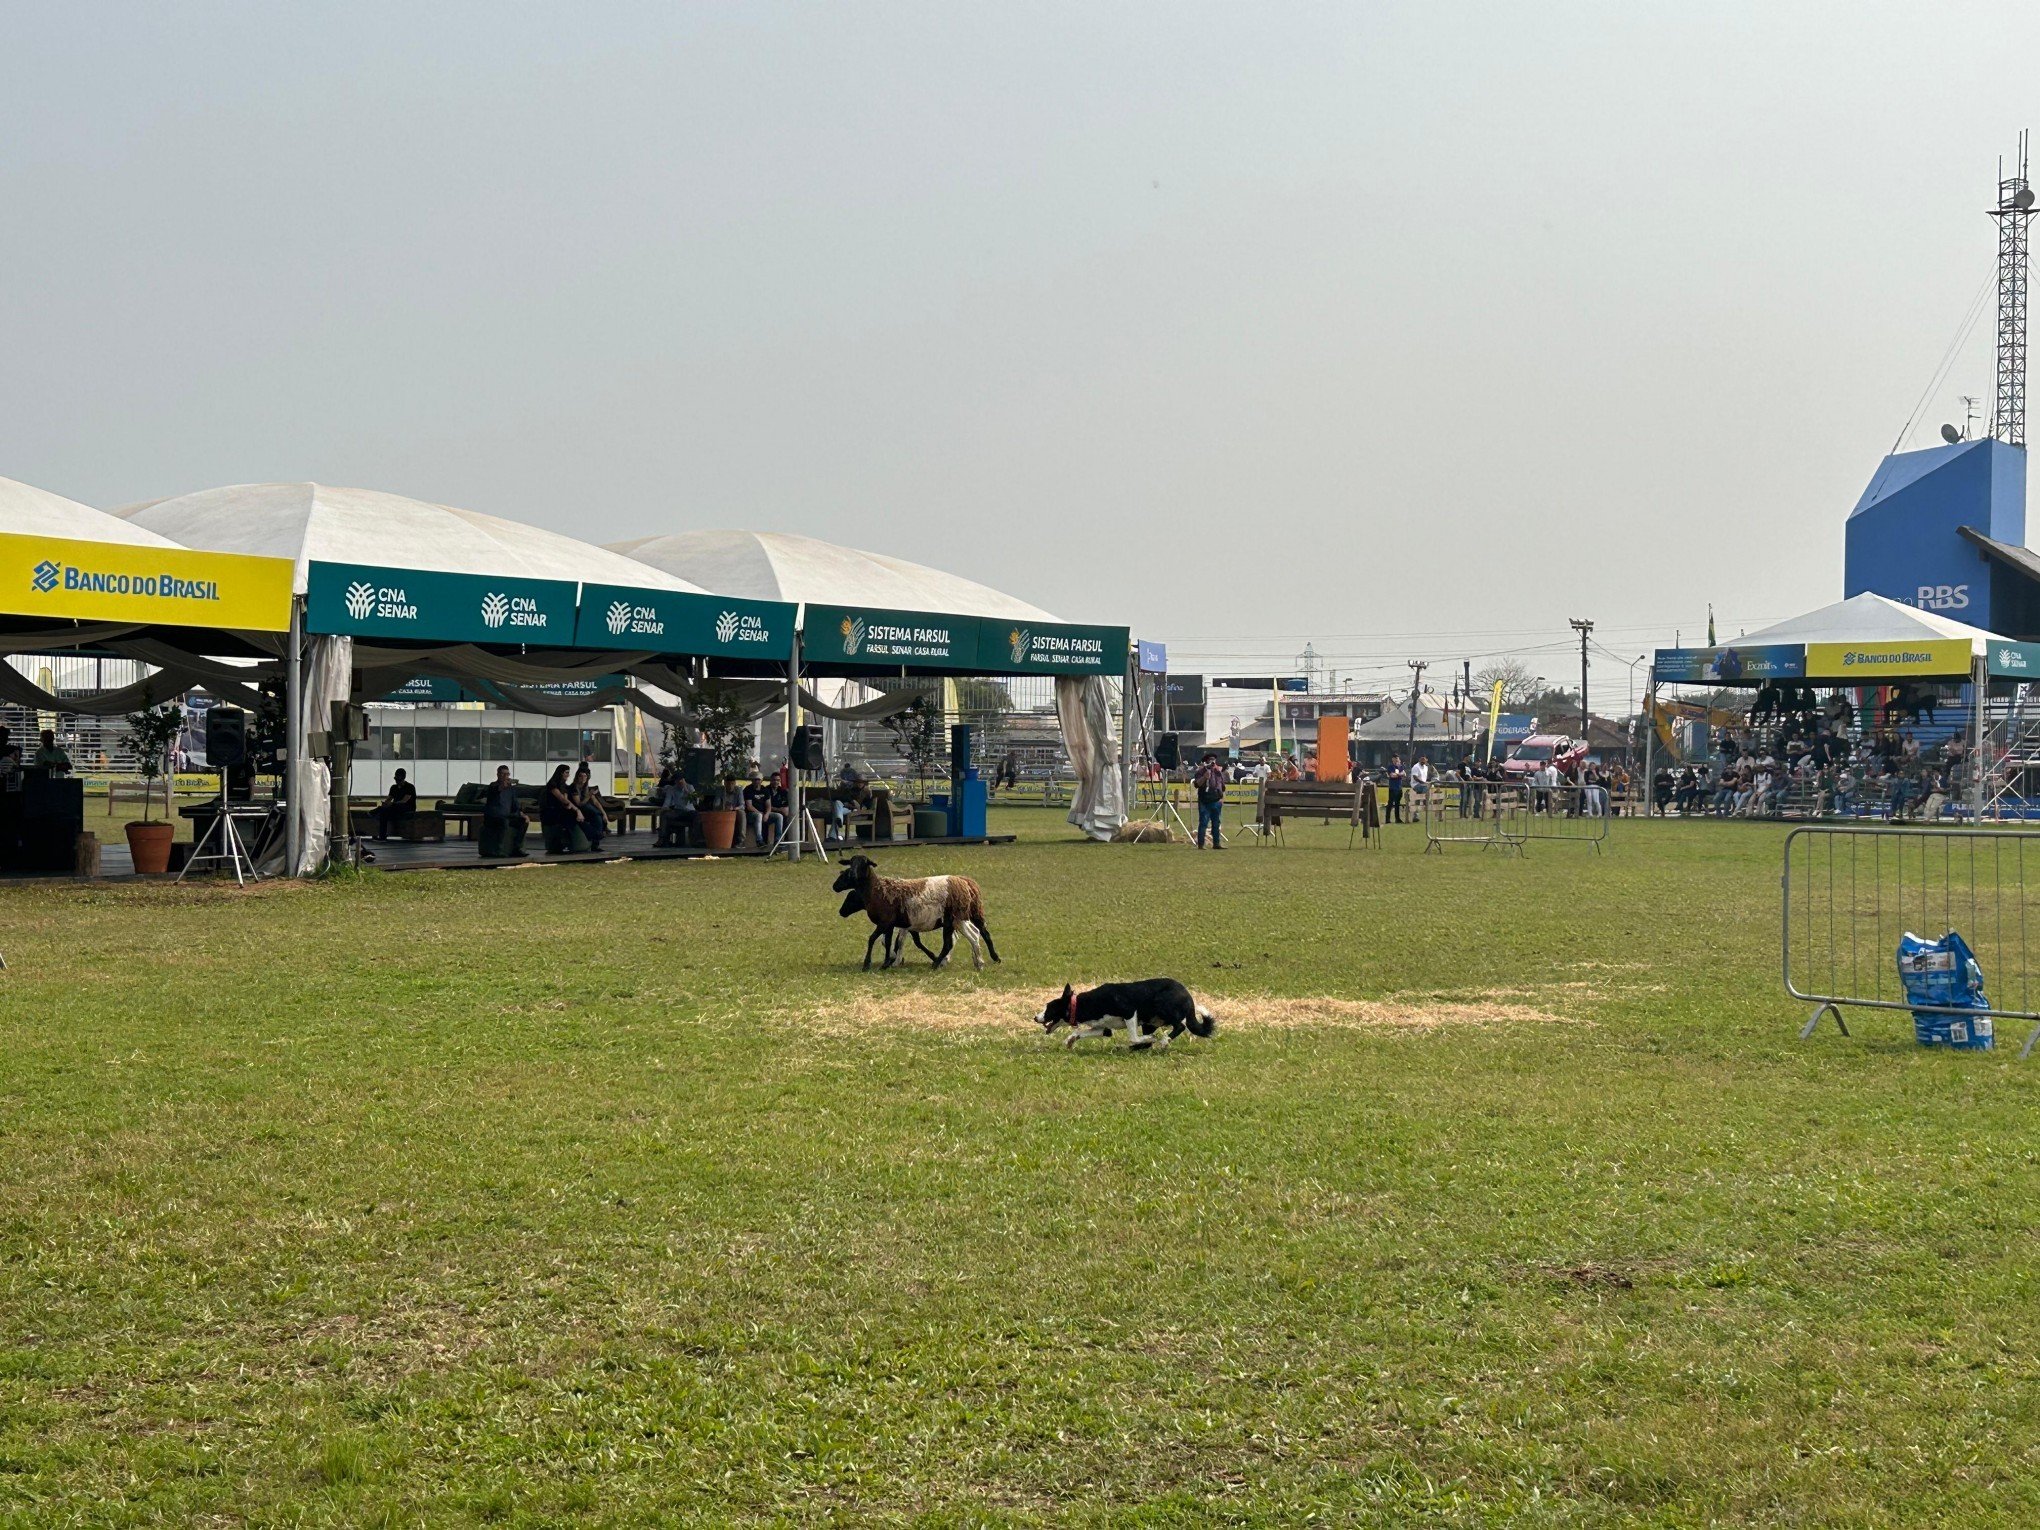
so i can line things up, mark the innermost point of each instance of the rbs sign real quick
(1942, 597)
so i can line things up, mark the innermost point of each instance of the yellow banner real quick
(1872, 662)
(164, 586)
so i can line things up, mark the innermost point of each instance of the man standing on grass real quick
(1210, 784)
(1396, 777)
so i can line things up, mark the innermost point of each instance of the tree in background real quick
(916, 732)
(1520, 687)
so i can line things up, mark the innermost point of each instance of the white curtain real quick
(328, 677)
(1089, 711)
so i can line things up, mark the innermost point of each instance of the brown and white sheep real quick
(901, 906)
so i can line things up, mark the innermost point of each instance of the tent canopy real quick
(311, 522)
(1867, 639)
(28, 511)
(772, 565)
(1438, 722)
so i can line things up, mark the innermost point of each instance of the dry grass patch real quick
(967, 1012)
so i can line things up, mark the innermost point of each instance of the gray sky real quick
(1408, 329)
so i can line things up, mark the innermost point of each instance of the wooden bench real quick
(143, 792)
(1327, 801)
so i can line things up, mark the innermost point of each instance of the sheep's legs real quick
(948, 944)
(977, 949)
(875, 933)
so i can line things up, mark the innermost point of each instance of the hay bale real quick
(1145, 831)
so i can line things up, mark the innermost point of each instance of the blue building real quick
(1945, 529)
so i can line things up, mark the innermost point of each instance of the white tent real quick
(771, 565)
(28, 511)
(1868, 619)
(768, 565)
(312, 521)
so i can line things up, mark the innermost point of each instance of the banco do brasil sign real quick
(160, 586)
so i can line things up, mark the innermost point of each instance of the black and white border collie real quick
(1161, 1003)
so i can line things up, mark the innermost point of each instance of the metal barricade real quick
(1472, 813)
(1848, 894)
(1511, 814)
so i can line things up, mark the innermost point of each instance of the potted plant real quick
(152, 731)
(725, 732)
(916, 731)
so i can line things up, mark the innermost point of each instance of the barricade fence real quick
(1509, 815)
(1848, 895)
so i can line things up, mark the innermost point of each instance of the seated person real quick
(757, 801)
(558, 816)
(503, 822)
(10, 765)
(778, 809)
(50, 756)
(851, 793)
(679, 822)
(398, 807)
(594, 821)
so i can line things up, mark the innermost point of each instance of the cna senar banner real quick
(1731, 664)
(1051, 648)
(674, 621)
(909, 639)
(2020, 659)
(161, 586)
(360, 600)
(1879, 661)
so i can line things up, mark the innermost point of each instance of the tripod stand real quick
(231, 848)
(801, 829)
(1164, 789)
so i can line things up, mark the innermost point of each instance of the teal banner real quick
(673, 621)
(884, 639)
(359, 600)
(2019, 661)
(437, 688)
(1050, 648)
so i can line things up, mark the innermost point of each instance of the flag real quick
(1710, 624)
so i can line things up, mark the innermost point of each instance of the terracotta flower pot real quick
(719, 828)
(149, 846)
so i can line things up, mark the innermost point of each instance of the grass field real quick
(1505, 1194)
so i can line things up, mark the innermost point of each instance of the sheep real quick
(899, 905)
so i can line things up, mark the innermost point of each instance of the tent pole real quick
(794, 803)
(1979, 692)
(1127, 688)
(294, 740)
(1644, 788)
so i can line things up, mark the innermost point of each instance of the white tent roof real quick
(1438, 721)
(312, 521)
(28, 511)
(770, 565)
(1868, 618)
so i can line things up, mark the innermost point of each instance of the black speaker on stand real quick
(226, 737)
(698, 766)
(1168, 750)
(805, 752)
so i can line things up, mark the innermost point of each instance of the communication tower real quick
(2014, 214)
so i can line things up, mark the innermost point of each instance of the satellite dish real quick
(2022, 199)
(1950, 434)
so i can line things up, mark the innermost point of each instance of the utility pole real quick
(1417, 666)
(1583, 628)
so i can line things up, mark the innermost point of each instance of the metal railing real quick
(1510, 815)
(1849, 894)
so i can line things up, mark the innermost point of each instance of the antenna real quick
(1950, 434)
(2014, 214)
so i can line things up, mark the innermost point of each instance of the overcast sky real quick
(1408, 330)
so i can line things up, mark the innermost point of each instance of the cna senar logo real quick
(49, 575)
(495, 609)
(1022, 641)
(360, 599)
(516, 610)
(743, 627)
(639, 621)
(853, 635)
(2010, 658)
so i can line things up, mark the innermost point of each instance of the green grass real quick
(591, 1193)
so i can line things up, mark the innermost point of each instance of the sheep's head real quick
(856, 873)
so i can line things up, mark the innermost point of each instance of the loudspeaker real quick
(1168, 751)
(698, 766)
(806, 749)
(350, 723)
(226, 737)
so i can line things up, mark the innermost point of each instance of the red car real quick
(1541, 749)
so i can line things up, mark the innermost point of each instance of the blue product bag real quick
(1944, 973)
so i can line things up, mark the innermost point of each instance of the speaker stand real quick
(231, 848)
(801, 829)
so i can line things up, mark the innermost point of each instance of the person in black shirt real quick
(594, 821)
(396, 809)
(503, 822)
(557, 815)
